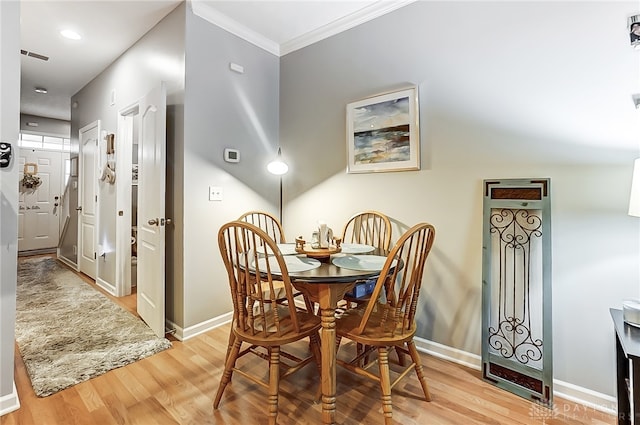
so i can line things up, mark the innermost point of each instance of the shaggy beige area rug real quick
(68, 332)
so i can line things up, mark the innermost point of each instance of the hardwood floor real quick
(177, 386)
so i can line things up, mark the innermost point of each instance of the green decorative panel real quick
(516, 287)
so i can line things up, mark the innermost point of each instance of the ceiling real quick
(277, 26)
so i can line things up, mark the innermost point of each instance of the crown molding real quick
(368, 13)
(361, 16)
(206, 12)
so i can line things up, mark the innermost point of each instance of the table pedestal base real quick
(327, 296)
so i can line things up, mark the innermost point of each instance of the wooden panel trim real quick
(515, 195)
(525, 381)
(521, 193)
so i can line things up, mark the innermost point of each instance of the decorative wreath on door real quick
(30, 179)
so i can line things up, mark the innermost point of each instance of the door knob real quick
(153, 222)
(168, 221)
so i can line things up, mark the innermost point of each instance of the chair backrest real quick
(266, 222)
(370, 228)
(257, 275)
(398, 286)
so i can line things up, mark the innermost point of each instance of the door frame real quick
(150, 298)
(124, 142)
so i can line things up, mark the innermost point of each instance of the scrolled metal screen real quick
(516, 344)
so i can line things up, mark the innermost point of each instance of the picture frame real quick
(383, 133)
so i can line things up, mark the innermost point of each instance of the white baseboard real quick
(111, 289)
(9, 402)
(68, 262)
(464, 358)
(183, 334)
(589, 398)
(37, 252)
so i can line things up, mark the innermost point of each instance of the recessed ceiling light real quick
(72, 35)
(40, 90)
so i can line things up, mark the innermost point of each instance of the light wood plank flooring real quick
(177, 386)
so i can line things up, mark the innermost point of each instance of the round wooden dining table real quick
(327, 284)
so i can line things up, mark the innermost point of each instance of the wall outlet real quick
(215, 193)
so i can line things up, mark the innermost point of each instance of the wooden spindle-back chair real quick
(388, 320)
(369, 228)
(272, 227)
(253, 263)
(267, 222)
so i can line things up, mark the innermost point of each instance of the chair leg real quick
(228, 370)
(361, 348)
(338, 341)
(274, 381)
(385, 384)
(401, 360)
(232, 340)
(418, 366)
(314, 344)
(310, 305)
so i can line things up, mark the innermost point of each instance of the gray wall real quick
(46, 126)
(478, 76)
(216, 108)
(9, 125)
(223, 109)
(158, 56)
(174, 242)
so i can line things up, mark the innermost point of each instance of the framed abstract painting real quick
(383, 133)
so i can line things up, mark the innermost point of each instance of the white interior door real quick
(88, 199)
(151, 210)
(38, 215)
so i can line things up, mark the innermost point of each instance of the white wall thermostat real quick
(231, 155)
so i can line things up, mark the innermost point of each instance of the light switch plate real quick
(215, 193)
(236, 68)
